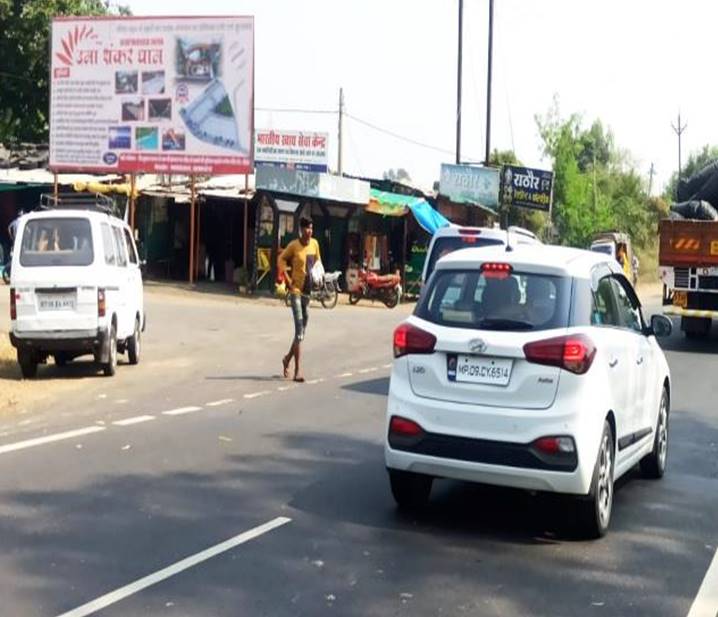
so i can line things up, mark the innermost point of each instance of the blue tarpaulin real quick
(393, 204)
(427, 217)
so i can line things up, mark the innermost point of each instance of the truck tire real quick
(696, 327)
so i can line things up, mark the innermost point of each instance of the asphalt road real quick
(116, 480)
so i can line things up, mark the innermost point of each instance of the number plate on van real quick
(57, 302)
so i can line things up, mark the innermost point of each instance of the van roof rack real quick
(78, 201)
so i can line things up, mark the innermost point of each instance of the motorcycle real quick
(372, 286)
(327, 292)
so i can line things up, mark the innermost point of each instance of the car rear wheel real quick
(28, 364)
(109, 368)
(594, 511)
(653, 465)
(133, 344)
(410, 490)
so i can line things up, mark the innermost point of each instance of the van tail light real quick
(496, 270)
(402, 427)
(101, 303)
(13, 304)
(575, 353)
(409, 339)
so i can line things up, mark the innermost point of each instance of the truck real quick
(688, 269)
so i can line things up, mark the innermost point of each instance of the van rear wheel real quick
(133, 344)
(28, 364)
(109, 368)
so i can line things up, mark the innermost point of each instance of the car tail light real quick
(574, 353)
(496, 270)
(555, 445)
(404, 428)
(101, 303)
(13, 304)
(409, 339)
(469, 232)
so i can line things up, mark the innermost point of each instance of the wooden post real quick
(245, 248)
(191, 229)
(56, 189)
(197, 265)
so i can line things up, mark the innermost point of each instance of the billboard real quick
(470, 185)
(312, 184)
(306, 151)
(526, 188)
(152, 94)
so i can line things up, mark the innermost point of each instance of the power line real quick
(397, 135)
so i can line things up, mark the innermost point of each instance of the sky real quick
(633, 64)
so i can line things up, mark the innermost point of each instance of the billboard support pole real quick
(197, 265)
(246, 221)
(133, 204)
(56, 186)
(191, 229)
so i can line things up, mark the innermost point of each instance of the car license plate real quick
(480, 370)
(57, 302)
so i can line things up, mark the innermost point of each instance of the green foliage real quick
(25, 71)
(596, 187)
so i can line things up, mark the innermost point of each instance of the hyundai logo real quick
(477, 345)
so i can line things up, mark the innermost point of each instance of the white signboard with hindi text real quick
(152, 94)
(306, 151)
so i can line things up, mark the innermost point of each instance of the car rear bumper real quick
(70, 340)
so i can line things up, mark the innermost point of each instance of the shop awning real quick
(394, 204)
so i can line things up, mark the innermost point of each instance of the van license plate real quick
(59, 302)
(480, 370)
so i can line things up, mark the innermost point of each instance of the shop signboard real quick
(165, 95)
(526, 188)
(470, 185)
(305, 151)
(312, 184)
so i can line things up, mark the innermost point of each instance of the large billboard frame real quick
(204, 152)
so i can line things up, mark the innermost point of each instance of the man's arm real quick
(283, 262)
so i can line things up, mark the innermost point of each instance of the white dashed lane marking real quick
(224, 401)
(180, 411)
(180, 566)
(371, 369)
(135, 420)
(40, 441)
(706, 602)
(257, 394)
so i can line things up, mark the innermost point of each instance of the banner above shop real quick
(527, 188)
(312, 184)
(305, 151)
(470, 185)
(167, 95)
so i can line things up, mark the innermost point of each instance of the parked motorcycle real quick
(386, 288)
(327, 293)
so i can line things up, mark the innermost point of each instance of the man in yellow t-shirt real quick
(300, 256)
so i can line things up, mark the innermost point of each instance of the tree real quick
(397, 175)
(24, 49)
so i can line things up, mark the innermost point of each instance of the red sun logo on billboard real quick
(70, 42)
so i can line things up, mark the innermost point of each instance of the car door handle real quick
(613, 362)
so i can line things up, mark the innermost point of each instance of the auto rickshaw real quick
(618, 245)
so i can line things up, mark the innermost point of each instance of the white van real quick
(449, 239)
(76, 289)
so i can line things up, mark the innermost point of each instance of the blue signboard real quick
(470, 185)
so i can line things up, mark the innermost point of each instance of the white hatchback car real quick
(530, 368)
(76, 288)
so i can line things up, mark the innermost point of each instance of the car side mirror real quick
(661, 326)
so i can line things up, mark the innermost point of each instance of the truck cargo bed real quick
(688, 243)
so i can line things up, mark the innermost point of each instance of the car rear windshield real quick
(449, 244)
(517, 302)
(57, 242)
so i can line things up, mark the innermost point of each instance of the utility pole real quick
(488, 85)
(458, 83)
(679, 131)
(650, 179)
(341, 122)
